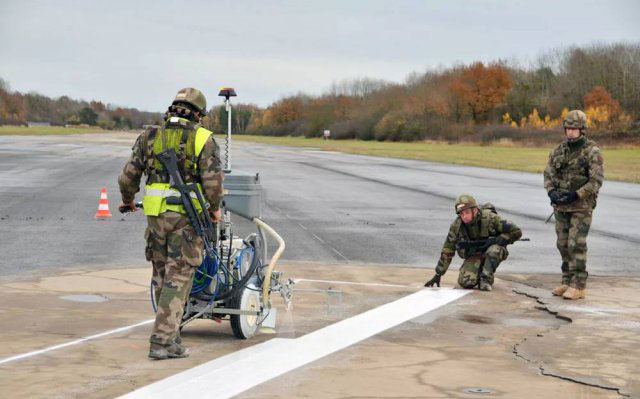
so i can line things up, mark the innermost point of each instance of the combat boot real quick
(170, 351)
(158, 352)
(483, 285)
(574, 293)
(559, 290)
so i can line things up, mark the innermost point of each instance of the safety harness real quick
(187, 140)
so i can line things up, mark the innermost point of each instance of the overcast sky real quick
(140, 53)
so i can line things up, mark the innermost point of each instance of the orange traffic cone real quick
(103, 205)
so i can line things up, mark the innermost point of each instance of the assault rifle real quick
(474, 247)
(201, 221)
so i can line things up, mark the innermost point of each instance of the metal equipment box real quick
(243, 194)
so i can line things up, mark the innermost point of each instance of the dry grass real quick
(621, 163)
(47, 130)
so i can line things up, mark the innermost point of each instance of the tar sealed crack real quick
(543, 306)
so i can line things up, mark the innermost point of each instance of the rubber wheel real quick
(245, 326)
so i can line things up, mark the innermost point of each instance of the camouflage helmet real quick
(465, 201)
(575, 119)
(193, 97)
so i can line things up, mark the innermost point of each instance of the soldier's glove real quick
(496, 240)
(487, 243)
(434, 280)
(568, 198)
(556, 196)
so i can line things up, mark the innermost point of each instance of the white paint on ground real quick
(71, 343)
(317, 237)
(237, 372)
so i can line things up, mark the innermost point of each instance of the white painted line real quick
(296, 280)
(318, 238)
(76, 342)
(338, 252)
(332, 248)
(235, 373)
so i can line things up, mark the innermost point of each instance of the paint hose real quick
(266, 284)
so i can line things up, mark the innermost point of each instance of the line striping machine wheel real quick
(245, 326)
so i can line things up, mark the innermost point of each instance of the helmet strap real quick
(182, 111)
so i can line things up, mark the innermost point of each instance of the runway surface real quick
(329, 207)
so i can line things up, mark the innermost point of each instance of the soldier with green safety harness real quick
(572, 179)
(480, 237)
(173, 246)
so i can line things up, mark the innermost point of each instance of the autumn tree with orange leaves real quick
(286, 110)
(600, 97)
(482, 88)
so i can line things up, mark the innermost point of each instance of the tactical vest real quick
(187, 140)
(485, 231)
(571, 169)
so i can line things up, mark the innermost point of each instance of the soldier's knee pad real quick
(494, 251)
(467, 281)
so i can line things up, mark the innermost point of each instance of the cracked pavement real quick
(600, 344)
(514, 342)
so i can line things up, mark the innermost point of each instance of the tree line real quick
(479, 101)
(19, 109)
(476, 102)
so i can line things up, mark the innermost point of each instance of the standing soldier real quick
(572, 178)
(480, 236)
(173, 246)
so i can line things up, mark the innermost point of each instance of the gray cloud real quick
(140, 53)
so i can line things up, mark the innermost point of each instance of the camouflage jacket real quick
(486, 224)
(580, 170)
(141, 161)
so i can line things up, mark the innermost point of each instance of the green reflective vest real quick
(179, 136)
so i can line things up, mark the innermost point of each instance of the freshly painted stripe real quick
(76, 342)
(230, 375)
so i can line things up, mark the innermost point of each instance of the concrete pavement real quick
(515, 342)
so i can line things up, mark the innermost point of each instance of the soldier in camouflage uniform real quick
(572, 178)
(172, 244)
(482, 259)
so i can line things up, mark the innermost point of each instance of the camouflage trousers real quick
(572, 229)
(483, 265)
(175, 251)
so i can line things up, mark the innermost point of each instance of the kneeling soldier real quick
(480, 237)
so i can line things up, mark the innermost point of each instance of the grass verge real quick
(47, 130)
(620, 163)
